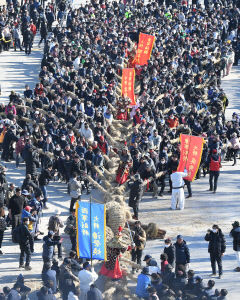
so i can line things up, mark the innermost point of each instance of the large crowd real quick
(62, 126)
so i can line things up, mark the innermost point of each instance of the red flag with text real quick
(144, 49)
(191, 154)
(128, 82)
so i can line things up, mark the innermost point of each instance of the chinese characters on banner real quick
(91, 230)
(128, 82)
(191, 153)
(144, 49)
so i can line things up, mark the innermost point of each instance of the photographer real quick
(216, 248)
(139, 239)
(235, 234)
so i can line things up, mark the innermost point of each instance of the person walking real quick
(54, 224)
(26, 244)
(17, 38)
(216, 248)
(139, 239)
(75, 190)
(214, 170)
(182, 253)
(235, 234)
(178, 198)
(136, 191)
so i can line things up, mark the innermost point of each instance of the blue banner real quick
(91, 230)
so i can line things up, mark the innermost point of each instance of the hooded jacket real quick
(217, 243)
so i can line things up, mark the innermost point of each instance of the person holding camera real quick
(235, 234)
(139, 240)
(216, 248)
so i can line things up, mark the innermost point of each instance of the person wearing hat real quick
(216, 248)
(135, 195)
(214, 162)
(54, 224)
(139, 239)
(87, 277)
(182, 253)
(235, 234)
(152, 265)
(178, 198)
(49, 275)
(143, 282)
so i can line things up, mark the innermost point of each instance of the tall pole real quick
(91, 228)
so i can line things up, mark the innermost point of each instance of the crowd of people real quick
(62, 126)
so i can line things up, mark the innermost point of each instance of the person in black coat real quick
(28, 40)
(9, 138)
(31, 160)
(235, 234)
(26, 245)
(169, 249)
(94, 293)
(216, 248)
(43, 294)
(181, 252)
(43, 32)
(136, 191)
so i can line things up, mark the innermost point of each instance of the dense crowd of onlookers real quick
(62, 125)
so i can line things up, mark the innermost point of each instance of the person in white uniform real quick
(87, 276)
(178, 198)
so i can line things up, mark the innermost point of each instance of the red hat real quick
(214, 151)
(28, 208)
(101, 138)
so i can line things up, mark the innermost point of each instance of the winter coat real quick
(136, 189)
(94, 294)
(9, 138)
(235, 233)
(182, 253)
(170, 251)
(75, 188)
(45, 177)
(139, 238)
(143, 282)
(217, 243)
(50, 275)
(48, 244)
(86, 279)
(25, 235)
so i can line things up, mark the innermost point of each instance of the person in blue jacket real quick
(48, 245)
(143, 282)
(182, 253)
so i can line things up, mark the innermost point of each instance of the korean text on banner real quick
(128, 82)
(191, 154)
(144, 49)
(91, 230)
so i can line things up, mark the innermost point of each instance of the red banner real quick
(128, 82)
(144, 49)
(191, 153)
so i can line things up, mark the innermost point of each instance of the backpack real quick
(16, 235)
(53, 224)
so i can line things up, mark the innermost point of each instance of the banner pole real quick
(91, 228)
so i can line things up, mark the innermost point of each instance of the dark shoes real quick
(189, 196)
(28, 268)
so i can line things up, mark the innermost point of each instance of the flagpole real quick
(91, 228)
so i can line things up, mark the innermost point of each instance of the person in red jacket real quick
(172, 121)
(214, 170)
(33, 28)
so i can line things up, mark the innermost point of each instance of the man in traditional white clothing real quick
(178, 198)
(87, 277)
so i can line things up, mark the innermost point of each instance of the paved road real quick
(204, 209)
